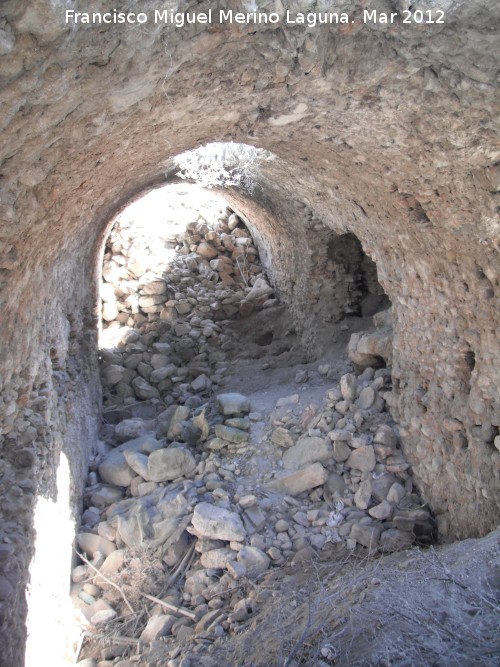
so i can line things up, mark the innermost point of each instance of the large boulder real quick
(233, 404)
(307, 450)
(373, 349)
(296, 482)
(167, 464)
(217, 523)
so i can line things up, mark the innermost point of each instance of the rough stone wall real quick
(383, 131)
(51, 407)
(444, 347)
(321, 275)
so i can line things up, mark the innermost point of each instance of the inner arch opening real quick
(178, 267)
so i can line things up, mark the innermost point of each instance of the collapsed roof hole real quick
(223, 164)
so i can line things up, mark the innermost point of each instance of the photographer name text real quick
(309, 19)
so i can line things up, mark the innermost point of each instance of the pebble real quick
(301, 376)
(138, 462)
(143, 389)
(115, 470)
(133, 428)
(254, 519)
(297, 482)
(363, 495)
(341, 451)
(236, 570)
(366, 398)
(105, 495)
(230, 434)
(92, 544)
(103, 616)
(281, 526)
(395, 540)
(381, 485)
(348, 386)
(281, 437)
(396, 493)
(157, 626)
(385, 435)
(366, 535)
(79, 574)
(287, 400)
(381, 511)
(254, 561)
(335, 483)
(217, 558)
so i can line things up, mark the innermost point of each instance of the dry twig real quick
(453, 580)
(171, 607)
(108, 581)
(183, 565)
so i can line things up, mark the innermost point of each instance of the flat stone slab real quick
(231, 434)
(233, 404)
(302, 480)
(307, 450)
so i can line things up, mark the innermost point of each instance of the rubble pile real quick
(166, 304)
(185, 500)
(194, 494)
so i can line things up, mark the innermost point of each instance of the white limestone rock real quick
(217, 523)
(233, 404)
(254, 561)
(307, 450)
(294, 483)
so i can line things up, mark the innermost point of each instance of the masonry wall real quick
(386, 133)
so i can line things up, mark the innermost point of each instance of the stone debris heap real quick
(185, 507)
(193, 496)
(166, 304)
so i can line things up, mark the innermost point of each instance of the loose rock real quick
(170, 463)
(217, 523)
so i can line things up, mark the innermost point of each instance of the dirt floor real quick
(419, 607)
